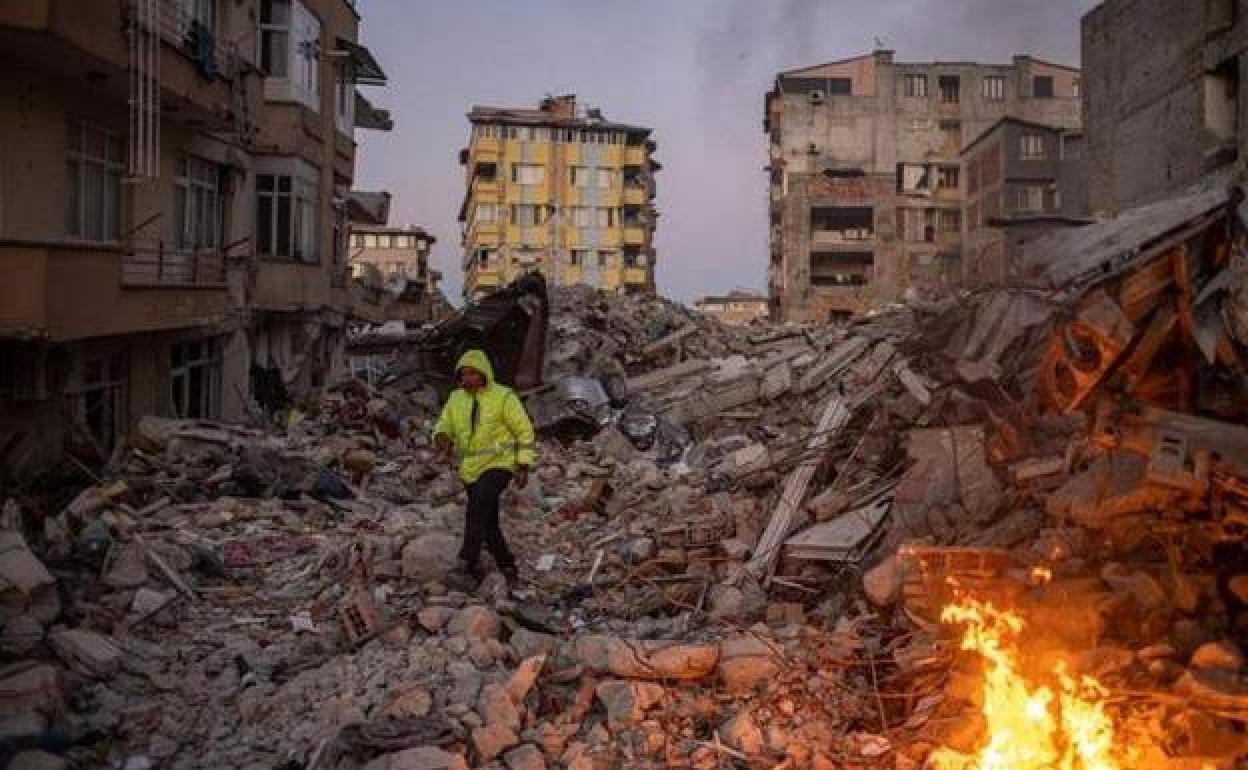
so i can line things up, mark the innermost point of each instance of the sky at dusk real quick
(693, 70)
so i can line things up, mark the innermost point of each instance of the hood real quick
(478, 360)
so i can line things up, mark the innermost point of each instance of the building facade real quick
(561, 191)
(866, 189)
(1165, 94)
(399, 258)
(1022, 179)
(737, 307)
(172, 179)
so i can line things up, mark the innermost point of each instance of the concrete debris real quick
(734, 548)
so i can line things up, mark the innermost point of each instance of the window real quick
(1031, 147)
(581, 176)
(951, 130)
(634, 259)
(198, 205)
(527, 215)
(357, 240)
(948, 177)
(950, 88)
(604, 178)
(582, 216)
(395, 269)
(201, 12)
(606, 259)
(486, 257)
(606, 217)
(1075, 85)
(370, 241)
(1042, 86)
(918, 225)
(93, 168)
(344, 104)
(578, 257)
(915, 85)
(275, 37)
(102, 398)
(286, 214)
(994, 88)
(840, 86)
(950, 221)
(195, 379)
(527, 173)
(1030, 198)
(913, 177)
(486, 213)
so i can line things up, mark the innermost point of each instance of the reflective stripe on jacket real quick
(502, 436)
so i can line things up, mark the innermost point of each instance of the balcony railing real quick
(155, 265)
(200, 42)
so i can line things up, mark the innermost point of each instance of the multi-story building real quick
(172, 178)
(1166, 96)
(738, 306)
(553, 189)
(400, 258)
(1022, 179)
(865, 177)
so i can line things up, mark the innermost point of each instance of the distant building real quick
(1022, 179)
(866, 193)
(553, 189)
(1165, 92)
(400, 257)
(735, 307)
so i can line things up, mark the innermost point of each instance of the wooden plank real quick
(787, 514)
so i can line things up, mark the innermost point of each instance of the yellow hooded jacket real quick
(503, 435)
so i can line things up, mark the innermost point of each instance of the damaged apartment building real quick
(561, 191)
(866, 180)
(174, 186)
(397, 259)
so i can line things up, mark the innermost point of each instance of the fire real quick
(1030, 727)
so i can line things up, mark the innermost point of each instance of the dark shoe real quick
(464, 578)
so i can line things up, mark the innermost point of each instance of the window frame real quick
(947, 95)
(198, 182)
(909, 80)
(1025, 140)
(993, 88)
(88, 173)
(268, 31)
(206, 363)
(1051, 87)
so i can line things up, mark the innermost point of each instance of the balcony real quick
(634, 156)
(154, 265)
(850, 239)
(634, 236)
(636, 276)
(203, 44)
(635, 195)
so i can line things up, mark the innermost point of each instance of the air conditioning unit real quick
(816, 97)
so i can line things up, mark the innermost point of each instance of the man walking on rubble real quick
(485, 423)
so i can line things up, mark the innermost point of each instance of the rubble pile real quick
(735, 549)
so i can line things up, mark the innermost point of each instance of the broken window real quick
(951, 133)
(915, 86)
(948, 177)
(1222, 101)
(843, 223)
(1042, 87)
(195, 379)
(197, 204)
(913, 178)
(528, 173)
(1031, 147)
(950, 88)
(840, 86)
(102, 398)
(93, 165)
(841, 268)
(994, 88)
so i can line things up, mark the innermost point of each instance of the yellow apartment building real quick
(564, 192)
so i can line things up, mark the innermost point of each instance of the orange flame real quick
(1029, 728)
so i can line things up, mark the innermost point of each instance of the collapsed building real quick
(742, 546)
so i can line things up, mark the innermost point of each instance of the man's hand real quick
(521, 479)
(442, 445)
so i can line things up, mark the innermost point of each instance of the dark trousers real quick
(481, 526)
